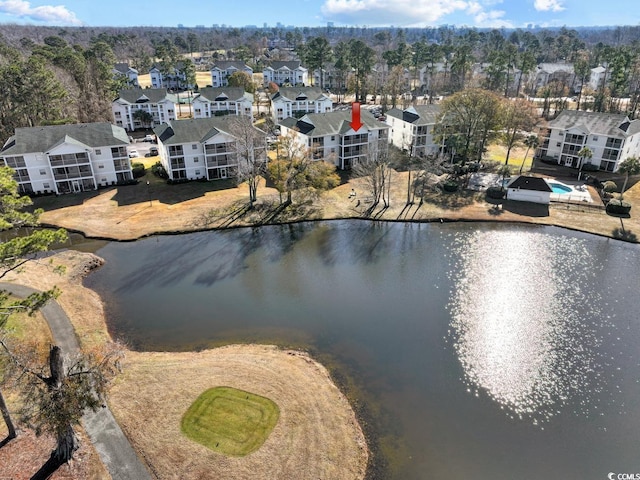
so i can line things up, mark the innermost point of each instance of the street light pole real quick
(149, 194)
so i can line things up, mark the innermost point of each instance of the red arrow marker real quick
(355, 116)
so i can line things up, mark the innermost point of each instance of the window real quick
(558, 144)
(576, 139)
(197, 172)
(594, 138)
(175, 150)
(610, 154)
(98, 151)
(177, 163)
(100, 166)
(43, 172)
(614, 142)
(45, 185)
(196, 160)
(15, 162)
(194, 146)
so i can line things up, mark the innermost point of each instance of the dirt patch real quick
(317, 435)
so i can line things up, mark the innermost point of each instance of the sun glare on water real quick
(519, 326)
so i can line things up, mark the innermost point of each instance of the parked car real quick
(148, 138)
(153, 151)
(133, 153)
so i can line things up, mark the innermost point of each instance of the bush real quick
(495, 192)
(618, 207)
(137, 169)
(159, 171)
(177, 181)
(609, 186)
(450, 186)
(590, 167)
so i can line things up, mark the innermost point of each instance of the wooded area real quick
(65, 74)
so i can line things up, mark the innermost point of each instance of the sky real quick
(312, 13)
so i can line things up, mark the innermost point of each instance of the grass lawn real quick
(498, 153)
(230, 421)
(202, 79)
(29, 329)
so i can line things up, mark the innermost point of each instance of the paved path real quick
(112, 445)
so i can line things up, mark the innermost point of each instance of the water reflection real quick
(521, 324)
(523, 305)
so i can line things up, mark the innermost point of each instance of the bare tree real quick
(250, 148)
(15, 252)
(518, 118)
(56, 396)
(375, 169)
(299, 168)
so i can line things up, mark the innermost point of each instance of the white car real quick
(133, 153)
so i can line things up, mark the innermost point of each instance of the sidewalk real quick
(112, 445)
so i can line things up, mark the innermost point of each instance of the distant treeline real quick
(65, 74)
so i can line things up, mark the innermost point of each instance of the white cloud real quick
(474, 8)
(52, 14)
(414, 13)
(397, 12)
(492, 19)
(548, 5)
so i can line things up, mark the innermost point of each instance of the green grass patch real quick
(230, 421)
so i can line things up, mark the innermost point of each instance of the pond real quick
(478, 350)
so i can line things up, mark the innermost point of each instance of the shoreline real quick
(338, 219)
(318, 427)
(125, 214)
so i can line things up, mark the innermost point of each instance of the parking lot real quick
(141, 147)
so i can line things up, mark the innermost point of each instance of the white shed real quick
(529, 189)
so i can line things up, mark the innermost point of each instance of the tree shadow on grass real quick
(526, 209)
(622, 233)
(495, 210)
(54, 202)
(222, 217)
(302, 208)
(263, 212)
(170, 194)
(451, 201)
(6, 440)
(626, 235)
(48, 469)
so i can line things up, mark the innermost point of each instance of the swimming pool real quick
(560, 188)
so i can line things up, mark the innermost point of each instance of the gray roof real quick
(530, 183)
(555, 67)
(176, 67)
(293, 93)
(291, 64)
(194, 130)
(417, 115)
(225, 64)
(124, 68)
(609, 124)
(331, 123)
(146, 95)
(224, 94)
(43, 139)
